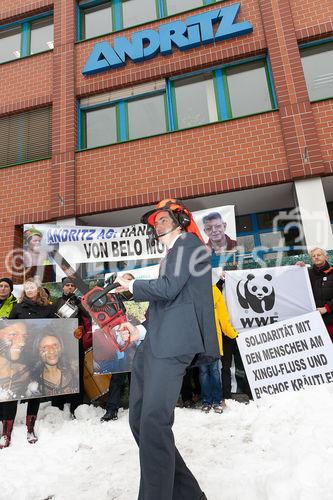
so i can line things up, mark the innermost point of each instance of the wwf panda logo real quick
(256, 293)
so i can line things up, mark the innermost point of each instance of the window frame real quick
(117, 15)
(307, 45)
(221, 97)
(25, 26)
(122, 124)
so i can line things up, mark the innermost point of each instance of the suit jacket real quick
(181, 311)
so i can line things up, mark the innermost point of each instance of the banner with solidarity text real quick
(287, 356)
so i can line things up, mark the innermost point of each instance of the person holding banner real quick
(33, 304)
(69, 298)
(321, 277)
(226, 335)
(179, 325)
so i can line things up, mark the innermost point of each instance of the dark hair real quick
(63, 363)
(212, 216)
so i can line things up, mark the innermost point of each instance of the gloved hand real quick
(78, 332)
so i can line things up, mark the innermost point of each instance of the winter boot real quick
(7, 427)
(30, 422)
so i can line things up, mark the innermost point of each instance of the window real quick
(167, 105)
(138, 12)
(25, 136)
(98, 17)
(101, 127)
(10, 44)
(26, 37)
(248, 89)
(41, 38)
(317, 64)
(267, 234)
(124, 114)
(246, 243)
(96, 20)
(195, 101)
(174, 6)
(146, 116)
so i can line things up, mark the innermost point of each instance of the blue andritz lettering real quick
(197, 29)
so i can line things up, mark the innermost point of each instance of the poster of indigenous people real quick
(35, 247)
(38, 358)
(107, 359)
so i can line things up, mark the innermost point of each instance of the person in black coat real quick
(85, 341)
(33, 304)
(321, 277)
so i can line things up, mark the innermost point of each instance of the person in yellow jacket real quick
(209, 373)
(225, 336)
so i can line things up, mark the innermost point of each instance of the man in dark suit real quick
(180, 325)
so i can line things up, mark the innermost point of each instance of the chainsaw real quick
(106, 309)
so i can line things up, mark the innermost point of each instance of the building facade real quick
(109, 106)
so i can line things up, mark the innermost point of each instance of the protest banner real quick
(258, 297)
(38, 358)
(86, 244)
(287, 356)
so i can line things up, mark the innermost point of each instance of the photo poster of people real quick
(107, 359)
(38, 358)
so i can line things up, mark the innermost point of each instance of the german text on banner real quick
(287, 356)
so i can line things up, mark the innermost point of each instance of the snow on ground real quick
(281, 449)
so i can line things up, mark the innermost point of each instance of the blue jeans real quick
(211, 388)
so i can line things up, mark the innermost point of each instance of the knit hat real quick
(67, 280)
(9, 281)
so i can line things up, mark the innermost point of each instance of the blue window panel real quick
(169, 100)
(161, 8)
(118, 23)
(122, 121)
(78, 23)
(79, 125)
(221, 98)
(25, 39)
(271, 83)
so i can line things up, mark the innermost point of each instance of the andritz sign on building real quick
(196, 30)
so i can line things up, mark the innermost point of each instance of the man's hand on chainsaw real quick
(123, 282)
(129, 331)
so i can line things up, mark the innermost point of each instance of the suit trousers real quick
(155, 388)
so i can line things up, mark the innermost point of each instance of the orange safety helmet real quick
(179, 213)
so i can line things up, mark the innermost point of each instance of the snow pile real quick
(281, 449)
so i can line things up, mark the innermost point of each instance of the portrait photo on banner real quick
(218, 228)
(35, 245)
(38, 358)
